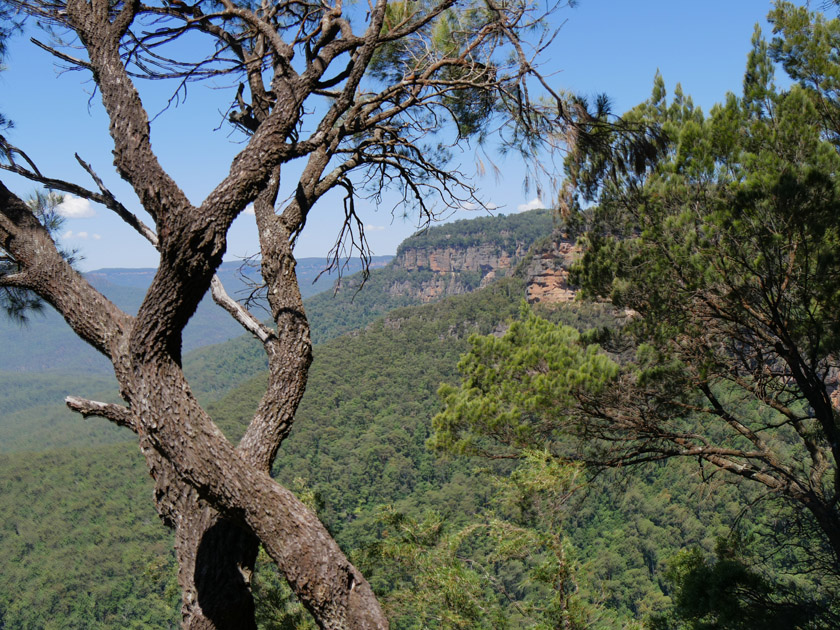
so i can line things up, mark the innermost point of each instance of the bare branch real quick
(110, 202)
(106, 198)
(119, 415)
(238, 312)
(63, 56)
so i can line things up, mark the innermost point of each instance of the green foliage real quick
(806, 45)
(507, 233)
(332, 314)
(276, 606)
(507, 569)
(80, 542)
(33, 416)
(359, 442)
(742, 200)
(362, 425)
(727, 253)
(516, 389)
(724, 593)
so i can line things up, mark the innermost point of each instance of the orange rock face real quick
(447, 263)
(451, 259)
(548, 273)
(551, 287)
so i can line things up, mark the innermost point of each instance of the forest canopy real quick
(724, 255)
(714, 236)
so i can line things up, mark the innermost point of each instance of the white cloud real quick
(531, 205)
(469, 205)
(249, 210)
(374, 228)
(80, 235)
(76, 208)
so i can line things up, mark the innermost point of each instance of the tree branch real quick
(119, 415)
(238, 312)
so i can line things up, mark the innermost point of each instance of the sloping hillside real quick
(449, 259)
(79, 524)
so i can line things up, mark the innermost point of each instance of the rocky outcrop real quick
(467, 255)
(483, 258)
(439, 272)
(547, 273)
(438, 287)
(431, 273)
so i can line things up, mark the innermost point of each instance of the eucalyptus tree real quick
(365, 97)
(725, 257)
(727, 254)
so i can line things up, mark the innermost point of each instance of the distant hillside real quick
(46, 343)
(235, 274)
(463, 256)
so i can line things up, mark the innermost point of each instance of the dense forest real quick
(660, 453)
(360, 446)
(230, 374)
(360, 451)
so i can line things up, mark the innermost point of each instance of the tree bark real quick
(215, 555)
(193, 464)
(216, 559)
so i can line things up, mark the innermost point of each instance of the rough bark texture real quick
(195, 466)
(220, 498)
(216, 559)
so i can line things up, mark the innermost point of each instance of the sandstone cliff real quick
(437, 272)
(452, 259)
(465, 256)
(547, 272)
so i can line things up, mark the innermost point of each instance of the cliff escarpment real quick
(546, 270)
(452, 259)
(466, 255)
(454, 263)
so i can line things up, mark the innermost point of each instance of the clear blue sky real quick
(611, 46)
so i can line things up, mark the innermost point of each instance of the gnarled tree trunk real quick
(220, 498)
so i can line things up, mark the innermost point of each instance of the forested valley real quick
(82, 548)
(621, 412)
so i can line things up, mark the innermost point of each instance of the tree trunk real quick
(215, 562)
(829, 522)
(215, 555)
(186, 447)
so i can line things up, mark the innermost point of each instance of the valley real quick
(81, 545)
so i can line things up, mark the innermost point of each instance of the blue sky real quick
(611, 46)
